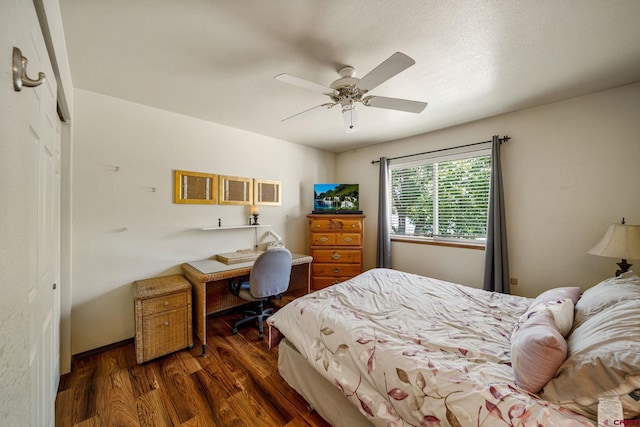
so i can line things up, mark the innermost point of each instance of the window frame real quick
(432, 158)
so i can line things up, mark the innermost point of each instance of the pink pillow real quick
(537, 351)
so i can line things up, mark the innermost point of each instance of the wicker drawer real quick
(165, 303)
(347, 225)
(164, 333)
(163, 316)
(335, 239)
(335, 270)
(343, 256)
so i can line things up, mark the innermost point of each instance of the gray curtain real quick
(496, 261)
(383, 250)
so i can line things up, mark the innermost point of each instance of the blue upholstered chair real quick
(269, 278)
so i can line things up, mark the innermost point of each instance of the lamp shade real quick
(620, 241)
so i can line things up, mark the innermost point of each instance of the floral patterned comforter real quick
(414, 351)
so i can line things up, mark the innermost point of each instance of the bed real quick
(390, 348)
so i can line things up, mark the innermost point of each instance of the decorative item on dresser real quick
(336, 245)
(163, 316)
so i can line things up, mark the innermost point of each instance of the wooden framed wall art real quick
(195, 187)
(267, 192)
(235, 190)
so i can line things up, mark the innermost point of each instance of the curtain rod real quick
(503, 139)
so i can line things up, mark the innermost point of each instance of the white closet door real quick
(29, 235)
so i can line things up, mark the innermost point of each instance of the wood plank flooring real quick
(235, 384)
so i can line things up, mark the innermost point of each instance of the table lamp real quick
(620, 241)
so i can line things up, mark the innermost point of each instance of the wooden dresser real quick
(163, 316)
(336, 244)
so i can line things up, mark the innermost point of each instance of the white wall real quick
(570, 170)
(123, 231)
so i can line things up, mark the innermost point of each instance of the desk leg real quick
(200, 312)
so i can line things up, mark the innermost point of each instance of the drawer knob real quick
(166, 323)
(336, 270)
(324, 239)
(166, 303)
(335, 256)
(348, 239)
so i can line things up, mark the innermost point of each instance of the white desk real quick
(211, 294)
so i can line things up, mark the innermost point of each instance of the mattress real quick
(321, 395)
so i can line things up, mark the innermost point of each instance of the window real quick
(441, 198)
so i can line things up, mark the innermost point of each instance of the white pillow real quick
(605, 294)
(603, 360)
(562, 314)
(562, 311)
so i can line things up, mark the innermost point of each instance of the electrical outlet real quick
(513, 281)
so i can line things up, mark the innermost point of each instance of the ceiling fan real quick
(348, 90)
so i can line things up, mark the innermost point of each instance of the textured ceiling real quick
(216, 59)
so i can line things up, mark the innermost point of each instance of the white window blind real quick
(441, 198)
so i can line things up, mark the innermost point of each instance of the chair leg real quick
(249, 316)
(260, 328)
(245, 319)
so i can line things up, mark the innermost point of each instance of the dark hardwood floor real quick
(235, 384)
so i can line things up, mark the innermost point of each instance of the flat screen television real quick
(336, 198)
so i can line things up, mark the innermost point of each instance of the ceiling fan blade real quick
(309, 111)
(393, 65)
(394, 104)
(350, 117)
(305, 84)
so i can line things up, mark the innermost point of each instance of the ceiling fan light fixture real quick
(350, 117)
(349, 89)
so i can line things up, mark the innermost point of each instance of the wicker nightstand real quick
(163, 316)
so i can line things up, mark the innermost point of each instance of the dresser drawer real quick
(335, 270)
(333, 239)
(322, 239)
(163, 303)
(165, 333)
(342, 256)
(348, 239)
(323, 282)
(346, 225)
